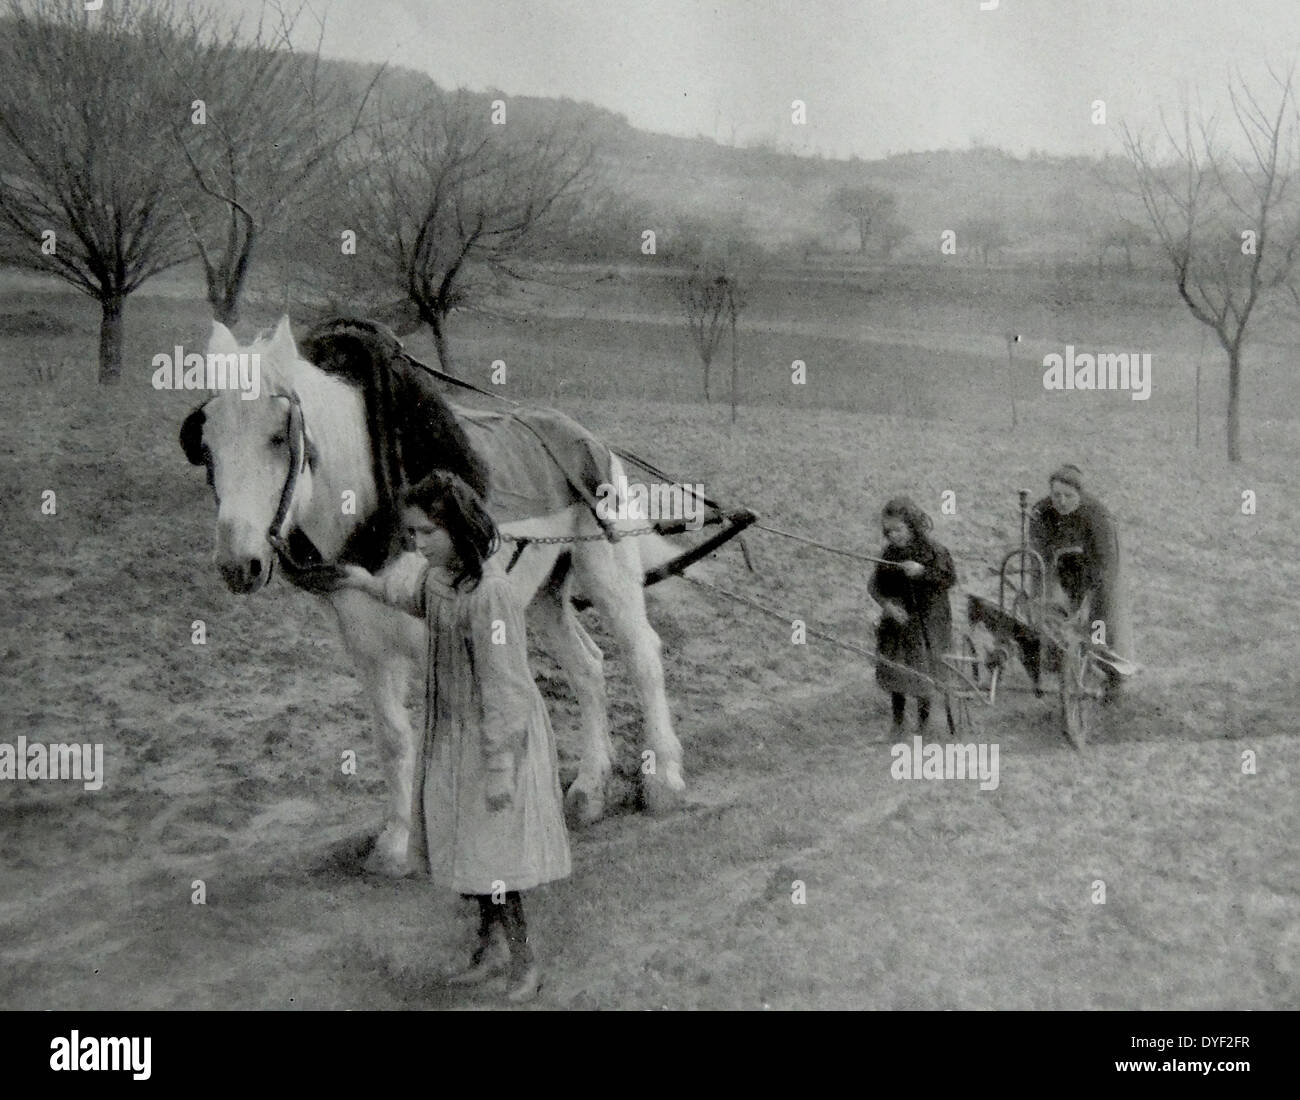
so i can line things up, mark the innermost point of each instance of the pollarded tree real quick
(89, 172)
(452, 200)
(1228, 224)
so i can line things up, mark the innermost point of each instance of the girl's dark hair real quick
(449, 502)
(909, 512)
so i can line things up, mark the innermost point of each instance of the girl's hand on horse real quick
(353, 576)
(500, 790)
(911, 569)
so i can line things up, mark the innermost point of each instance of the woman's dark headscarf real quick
(1069, 474)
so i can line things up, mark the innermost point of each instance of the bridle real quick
(295, 550)
(278, 533)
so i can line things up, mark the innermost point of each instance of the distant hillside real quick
(1049, 205)
(1052, 206)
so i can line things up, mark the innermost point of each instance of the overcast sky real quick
(878, 76)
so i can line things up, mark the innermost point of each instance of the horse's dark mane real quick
(412, 429)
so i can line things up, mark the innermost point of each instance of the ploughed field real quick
(222, 761)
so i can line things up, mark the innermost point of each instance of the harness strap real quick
(610, 532)
(519, 549)
(297, 462)
(588, 497)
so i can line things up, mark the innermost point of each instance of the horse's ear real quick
(192, 437)
(282, 339)
(222, 341)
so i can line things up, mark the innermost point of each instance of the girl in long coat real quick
(1069, 517)
(915, 628)
(490, 795)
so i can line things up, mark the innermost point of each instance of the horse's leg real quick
(563, 637)
(387, 688)
(611, 577)
(379, 640)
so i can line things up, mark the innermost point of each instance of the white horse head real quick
(248, 445)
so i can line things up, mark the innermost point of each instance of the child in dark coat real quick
(915, 628)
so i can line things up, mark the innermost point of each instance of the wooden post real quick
(1198, 388)
(1011, 377)
(735, 372)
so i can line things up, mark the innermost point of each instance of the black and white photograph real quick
(657, 505)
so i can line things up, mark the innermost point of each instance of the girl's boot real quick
(525, 979)
(897, 702)
(492, 955)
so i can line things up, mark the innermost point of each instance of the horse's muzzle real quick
(246, 576)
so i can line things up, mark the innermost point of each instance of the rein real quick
(277, 534)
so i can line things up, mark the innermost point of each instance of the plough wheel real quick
(1083, 687)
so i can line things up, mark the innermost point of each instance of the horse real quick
(284, 460)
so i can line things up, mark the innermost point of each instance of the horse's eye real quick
(279, 439)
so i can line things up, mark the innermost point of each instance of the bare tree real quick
(452, 200)
(892, 233)
(706, 294)
(869, 208)
(985, 235)
(263, 122)
(89, 171)
(1123, 235)
(593, 225)
(806, 246)
(719, 270)
(1227, 222)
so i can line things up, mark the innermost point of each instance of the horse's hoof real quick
(387, 865)
(664, 794)
(388, 858)
(583, 807)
